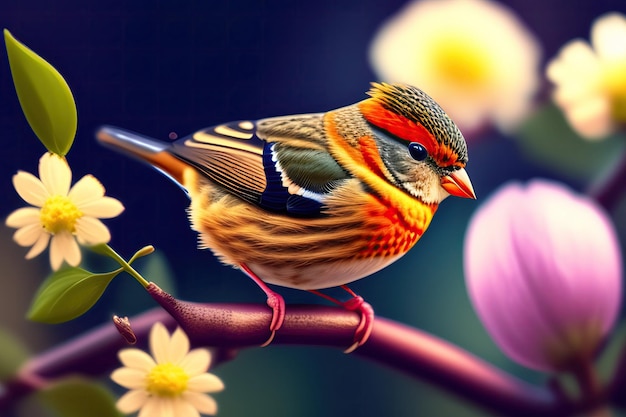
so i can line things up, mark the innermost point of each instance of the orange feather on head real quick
(381, 111)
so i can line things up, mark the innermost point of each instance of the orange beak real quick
(458, 184)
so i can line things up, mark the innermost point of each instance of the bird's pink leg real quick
(274, 300)
(358, 304)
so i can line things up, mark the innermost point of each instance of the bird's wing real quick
(279, 164)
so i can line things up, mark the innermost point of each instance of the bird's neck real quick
(396, 228)
(396, 219)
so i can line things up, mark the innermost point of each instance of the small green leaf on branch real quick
(78, 397)
(68, 293)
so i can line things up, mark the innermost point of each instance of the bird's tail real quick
(143, 148)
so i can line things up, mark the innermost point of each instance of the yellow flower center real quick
(462, 61)
(614, 84)
(59, 213)
(167, 380)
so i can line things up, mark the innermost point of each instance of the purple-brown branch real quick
(236, 326)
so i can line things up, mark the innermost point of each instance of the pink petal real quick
(528, 268)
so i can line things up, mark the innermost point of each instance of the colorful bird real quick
(317, 200)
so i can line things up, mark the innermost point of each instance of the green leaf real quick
(79, 397)
(67, 294)
(45, 97)
(549, 140)
(14, 353)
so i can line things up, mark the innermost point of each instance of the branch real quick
(235, 326)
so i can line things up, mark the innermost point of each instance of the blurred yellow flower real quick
(474, 57)
(590, 79)
(60, 215)
(172, 382)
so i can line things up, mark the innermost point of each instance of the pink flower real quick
(543, 271)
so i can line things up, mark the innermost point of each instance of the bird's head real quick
(423, 150)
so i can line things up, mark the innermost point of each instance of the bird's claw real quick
(277, 304)
(364, 329)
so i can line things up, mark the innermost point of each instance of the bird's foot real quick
(274, 300)
(277, 303)
(358, 304)
(364, 329)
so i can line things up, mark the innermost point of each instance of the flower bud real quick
(543, 271)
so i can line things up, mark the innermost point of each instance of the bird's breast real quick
(394, 229)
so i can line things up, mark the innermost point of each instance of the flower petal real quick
(63, 247)
(592, 117)
(196, 362)
(205, 383)
(86, 190)
(129, 378)
(39, 246)
(23, 217)
(202, 402)
(527, 268)
(182, 408)
(91, 231)
(30, 188)
(132, 401)
(55, 174)
(608, 36)
(28, 235)
(103, 208)
(472, 67)
(136, 359)
(159, 342)
(154, 407)
(178, 346)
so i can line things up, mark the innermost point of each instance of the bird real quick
(317, 200)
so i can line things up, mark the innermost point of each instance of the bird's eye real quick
(417, 151)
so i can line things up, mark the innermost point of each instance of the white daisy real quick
(172, 382)
(590, 85)
(474, 57)
(60, 215)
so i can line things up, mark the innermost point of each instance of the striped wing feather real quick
(279, 164)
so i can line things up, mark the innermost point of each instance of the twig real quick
(236, 326)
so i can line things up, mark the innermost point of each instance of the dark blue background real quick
(176, 66)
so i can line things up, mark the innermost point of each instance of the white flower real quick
(589, 79)
(60, 215)
(174, 383)
(474, 57)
